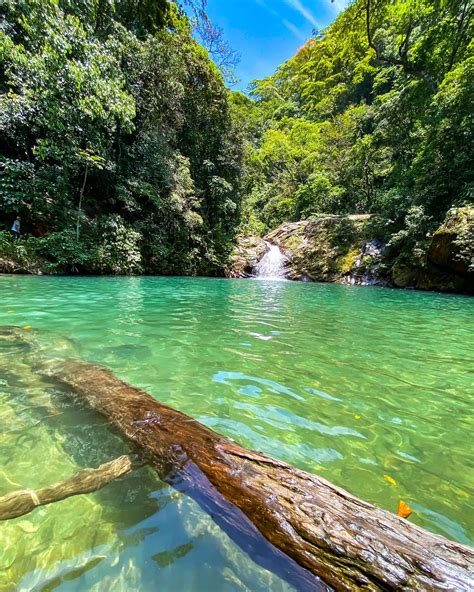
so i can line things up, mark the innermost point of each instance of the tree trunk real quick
(348, 543)
(81, 197)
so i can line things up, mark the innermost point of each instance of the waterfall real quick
(272, 265)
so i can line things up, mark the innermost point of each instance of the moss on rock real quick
(324, 249)
(452, 246)
(348, 249)
(246, 254)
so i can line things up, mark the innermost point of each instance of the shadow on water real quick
(139, 506)
(191, 481)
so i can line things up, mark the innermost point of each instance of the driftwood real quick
(25, 501)
(348, 543)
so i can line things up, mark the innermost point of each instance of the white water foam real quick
(272, 265)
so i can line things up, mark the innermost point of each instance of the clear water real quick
(368, 387)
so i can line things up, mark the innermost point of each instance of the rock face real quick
(449, 265)
(330, 249)
(325, 249)
(248, 252)
(346, 249)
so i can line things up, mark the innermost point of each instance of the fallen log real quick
(348, 543)
(19, 503)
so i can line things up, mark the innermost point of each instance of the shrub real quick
(64, 252)
(412, 241)
(19, 252)
(119, 251)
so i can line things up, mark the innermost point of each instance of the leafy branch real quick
(401, 59)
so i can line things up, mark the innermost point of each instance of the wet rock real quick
(367, 268)
(325, 249)
(452, 245)
(330, 249)
(435, 279)
(248, 252)
(403, 276)
(449, 262)
(346, 249)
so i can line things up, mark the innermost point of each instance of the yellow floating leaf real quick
(27, 328)
(404, 509)
(357, 416)
(390, 480)
(10, 310)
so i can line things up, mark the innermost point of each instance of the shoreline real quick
(387, 285)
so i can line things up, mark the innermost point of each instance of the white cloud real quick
(294, 29)
(335, 6)
(263, 4)
(304, 11)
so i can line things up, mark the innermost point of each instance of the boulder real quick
(452, 246)
(247, 253)
(346, 249)
(330, 249)
(449, 262)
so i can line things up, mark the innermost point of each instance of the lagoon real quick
(370, 388)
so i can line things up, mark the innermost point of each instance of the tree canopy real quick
(374, 114)
(123, 150)
(115, 129)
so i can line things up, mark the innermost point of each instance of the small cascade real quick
(272, 265)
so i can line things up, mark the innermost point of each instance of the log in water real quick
(19, 503)
(333, 535)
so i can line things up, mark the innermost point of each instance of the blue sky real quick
(268, 32)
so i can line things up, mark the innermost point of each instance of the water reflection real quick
(129, 535)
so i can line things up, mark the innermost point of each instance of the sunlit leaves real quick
(108, 114)
(372, 115)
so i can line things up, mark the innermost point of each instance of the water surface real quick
(371, 388)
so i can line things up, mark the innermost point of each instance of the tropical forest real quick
(236, 280)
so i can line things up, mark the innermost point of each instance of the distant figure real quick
(16, 227)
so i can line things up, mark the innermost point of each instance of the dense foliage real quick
(117, 147)
(373, 115)
(123, 152)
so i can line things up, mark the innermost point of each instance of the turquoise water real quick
(370, 388)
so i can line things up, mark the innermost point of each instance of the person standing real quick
(16, 227)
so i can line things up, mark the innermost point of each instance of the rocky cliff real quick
(449, 261)
(349, 249)
(323, 249)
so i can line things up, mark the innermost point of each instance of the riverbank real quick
(353, 249)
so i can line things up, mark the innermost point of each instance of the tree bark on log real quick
(19, 503)
(348, 543)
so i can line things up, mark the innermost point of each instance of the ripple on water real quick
(356, 384)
